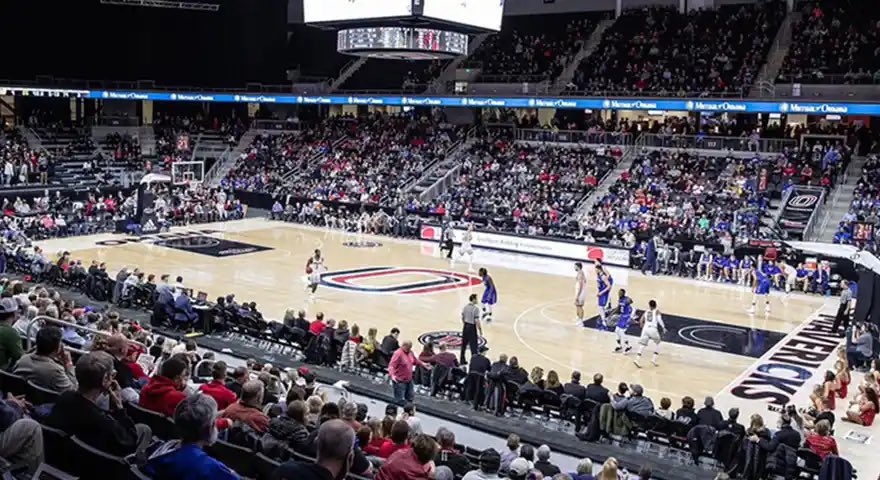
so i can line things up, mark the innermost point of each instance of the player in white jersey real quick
(314, 269)
(652, 329)
(466, 248)
(580, 292)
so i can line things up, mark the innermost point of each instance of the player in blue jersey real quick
(621, 318)
(732, 268)
(490, 295)
(704, 266)
(745, 271)
(604, 282)
(762, 289)
(719, 264)
(774, 272)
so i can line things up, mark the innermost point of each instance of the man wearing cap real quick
(490, 462)
(519, 469)
(636, 402)
(10, 340)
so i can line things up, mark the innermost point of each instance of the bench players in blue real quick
(490, 295)
(604, 282)
(621, 316)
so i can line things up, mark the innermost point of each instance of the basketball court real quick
(712, 346)
(384, 282)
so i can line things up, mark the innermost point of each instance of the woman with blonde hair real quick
(553, 384)
(314, 404)
(537, 377)
(368, 345)
(843, 378)
(757, 430)
(609, 470)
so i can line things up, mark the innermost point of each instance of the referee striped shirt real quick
(470, 314)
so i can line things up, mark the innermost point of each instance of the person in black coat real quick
(786, 435)
(595, 391)
(686, 414)
(77, 412)
(390, 344)
(515, 373)
(479, 363)
(708, 415)
(732, 424)
(447, 454)
(575, 389)
(499, 368)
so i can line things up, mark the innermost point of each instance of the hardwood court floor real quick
(534, 318)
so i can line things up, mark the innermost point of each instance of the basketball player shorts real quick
(489, 297)
(580, 300)
(466, 249)
(620, 330)
(611, 321)
(649, 335)
(314, 278)
(603, 301)
(763, 289)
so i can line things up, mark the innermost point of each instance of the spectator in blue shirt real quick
(185, 459)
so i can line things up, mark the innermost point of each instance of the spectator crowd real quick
(659, 51)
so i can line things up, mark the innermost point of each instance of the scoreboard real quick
(43, 92)
(432, 43)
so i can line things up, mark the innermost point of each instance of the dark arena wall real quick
(242, 42)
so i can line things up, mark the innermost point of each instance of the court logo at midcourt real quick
(408, 281)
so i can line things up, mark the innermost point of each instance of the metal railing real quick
(573, 136)
(82, 84)
(741, 94)
(829, 79)
(30, 333)
(273, 124)
(812, 222)
(447, 154)
(705, 142)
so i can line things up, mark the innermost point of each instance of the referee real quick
(843, 310)
(470, 329)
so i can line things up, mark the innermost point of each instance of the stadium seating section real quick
(659, 51)
(835, 42)
(524, 188)
(532, 47)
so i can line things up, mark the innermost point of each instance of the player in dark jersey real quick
(604, 282)
(490, 294)
(762, 289)
(621, 317)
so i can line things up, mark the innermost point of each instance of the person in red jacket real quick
(216, 388)
(411, 464)
(317, 326)
(399, 436)
(165, 390)
(248, 409)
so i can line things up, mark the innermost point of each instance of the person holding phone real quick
(49, 366)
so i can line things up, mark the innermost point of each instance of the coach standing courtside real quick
(471, 328)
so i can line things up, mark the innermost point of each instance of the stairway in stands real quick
(763, 83)
(586, 50)
(69, 162)
(841, 199)
(226, 161)
(209, 146)
(439, 177)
